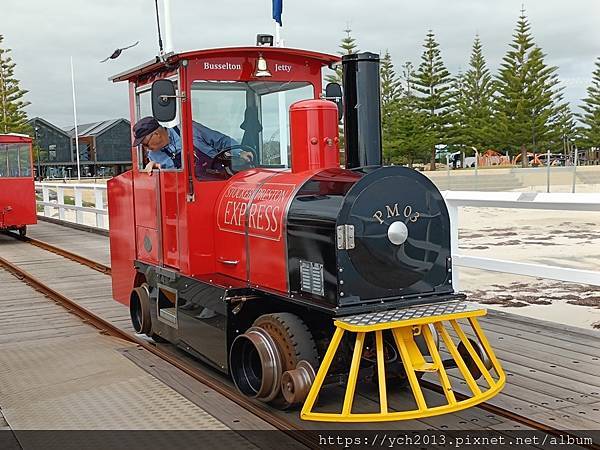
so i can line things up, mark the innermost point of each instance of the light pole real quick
(37, 150)
(75, 122)
(575, 161)
(447, 171)
(476, 167)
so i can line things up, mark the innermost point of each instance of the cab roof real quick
(13, 138)
(171, 59)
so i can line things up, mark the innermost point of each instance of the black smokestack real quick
(362, 110)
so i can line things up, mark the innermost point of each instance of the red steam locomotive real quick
(288, 272)
(17, 188)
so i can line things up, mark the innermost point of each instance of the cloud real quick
(43, 35)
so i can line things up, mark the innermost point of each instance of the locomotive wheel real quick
(139, 310)
(295, 384)
(255, 364)
(470, 363)
(292, 337)
(294, 343)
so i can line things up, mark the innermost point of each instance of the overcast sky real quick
(44, 34)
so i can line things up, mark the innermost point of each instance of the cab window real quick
(144, 109)
(24, 161)
(234, 119)
(15, 160)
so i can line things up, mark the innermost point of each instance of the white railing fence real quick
(520, 200)
(77, 208)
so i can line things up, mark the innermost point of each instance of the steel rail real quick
(214, 383)
(69, 255)
(112, 330)
(99, 267)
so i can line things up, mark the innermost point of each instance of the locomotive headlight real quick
(397, 233)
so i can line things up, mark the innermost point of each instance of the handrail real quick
(521, 200)
(100, 209)
(71, 185)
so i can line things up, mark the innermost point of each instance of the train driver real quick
(163, 144)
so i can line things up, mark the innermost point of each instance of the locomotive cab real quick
(260, 254)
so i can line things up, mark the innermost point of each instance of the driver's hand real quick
(150, 166)
(246, 156)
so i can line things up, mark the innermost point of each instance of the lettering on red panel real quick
(260, 206)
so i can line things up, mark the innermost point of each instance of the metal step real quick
(168, 315)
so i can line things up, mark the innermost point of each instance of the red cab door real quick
(157, 211)
(147, 218)
(170, 209)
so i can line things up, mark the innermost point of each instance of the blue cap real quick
(143, 128)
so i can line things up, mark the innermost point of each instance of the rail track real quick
(259, 410)
(66, 254)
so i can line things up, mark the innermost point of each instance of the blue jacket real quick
(206, 140)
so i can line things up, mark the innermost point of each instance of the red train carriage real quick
(289, 272)
(17, 189)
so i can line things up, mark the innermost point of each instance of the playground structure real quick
(490, 158)
(493, 158)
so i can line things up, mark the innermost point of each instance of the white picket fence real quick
(53, 200)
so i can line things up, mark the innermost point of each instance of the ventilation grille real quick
(311, 277)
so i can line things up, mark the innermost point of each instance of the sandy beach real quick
(561, 238)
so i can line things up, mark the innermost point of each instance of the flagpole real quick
(168, 28)
(75, 121)
(278, 41)
(277, 13)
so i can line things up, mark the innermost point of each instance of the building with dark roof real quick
(105, 145)
(52, 145)
(104, 148)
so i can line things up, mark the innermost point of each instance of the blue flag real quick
(277, 10)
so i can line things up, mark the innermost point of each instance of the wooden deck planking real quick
(66, 277)
(555, 340)
(92, 245)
